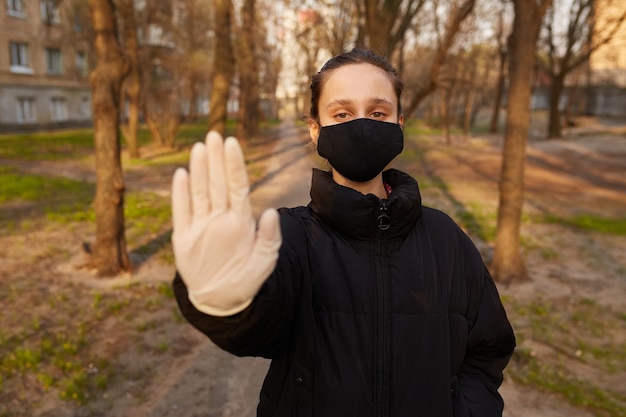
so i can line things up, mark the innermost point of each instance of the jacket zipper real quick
(382, 339)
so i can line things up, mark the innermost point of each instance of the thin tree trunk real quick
(223, 67)
(248, 115)
(508, 263)
(495, 116)
(155, 132)
(468, 102)
(133, 81)
(554, 121)
(109, 255)
(445, 115)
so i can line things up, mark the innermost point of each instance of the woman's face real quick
(356, 91)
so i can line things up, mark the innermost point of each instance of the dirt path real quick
(582, 173)
(210, 382)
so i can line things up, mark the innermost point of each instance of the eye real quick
(341, 116)
(378, 115)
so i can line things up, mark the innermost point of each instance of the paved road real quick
(214, 383)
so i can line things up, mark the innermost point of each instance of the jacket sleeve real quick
(490, 344)
(264, 327)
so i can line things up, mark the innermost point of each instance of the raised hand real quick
(220, 254)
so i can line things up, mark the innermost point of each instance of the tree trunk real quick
(133, 81)
(248, 115)
(554, 121)
(445, 115)
(223, 67)
(495, 116)
(508, 264)
(155, 131)
(109, 255)
(470, 93)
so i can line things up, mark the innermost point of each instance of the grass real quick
(591, 223)
(558, 379)
(576, 333)
(47, 146)
(66, 352)
(65, 201)
(72, 144)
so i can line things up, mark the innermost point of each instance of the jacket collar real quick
(356, 215)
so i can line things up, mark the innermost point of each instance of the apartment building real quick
(608, 63)
(43, 67)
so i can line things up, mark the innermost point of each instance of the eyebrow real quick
(346, 102)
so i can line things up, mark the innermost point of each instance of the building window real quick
(26, 110)
(15, 8)
(58, 109)
(50, 12)
(54, 61)
(85, 107)
(19, 58)
(81, 64)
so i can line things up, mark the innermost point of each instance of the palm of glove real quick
(221, 256)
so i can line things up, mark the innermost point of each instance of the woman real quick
(367, 302)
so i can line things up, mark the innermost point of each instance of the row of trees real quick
(153, 57)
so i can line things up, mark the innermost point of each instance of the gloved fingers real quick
(181, 205)
(198, 179)
(263, 258)
(218, 191)
(268, 236)
(237, 177)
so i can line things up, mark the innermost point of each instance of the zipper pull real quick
(383, 220)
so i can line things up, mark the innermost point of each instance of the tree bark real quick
(554, 120)
(109, 255)
(508, 264)
(385, 22)
(223, 67)
(495, 116)
(248, 115)
(133, 81)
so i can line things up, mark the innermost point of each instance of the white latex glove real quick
(221, 256)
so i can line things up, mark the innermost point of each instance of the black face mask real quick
(361, 148)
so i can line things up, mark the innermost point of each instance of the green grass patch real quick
(575, 331)
(529, 370)
(66, 353)
(592, 223)
(478, 220)
(65, 201)
(71, 144)
(419, 127)
(26, 187)
(58, 145)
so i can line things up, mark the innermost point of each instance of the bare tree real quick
(386, 22)
(194, 51)
(502, 51)
(269, 56)
(340, 24)
(248, 116)
(109, 255)
(223, 66)
(568, 49)
(508, 264)
(458, 13)
(132, 84)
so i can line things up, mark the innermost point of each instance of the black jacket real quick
(376, 308)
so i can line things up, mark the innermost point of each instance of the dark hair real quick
(355, 56)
